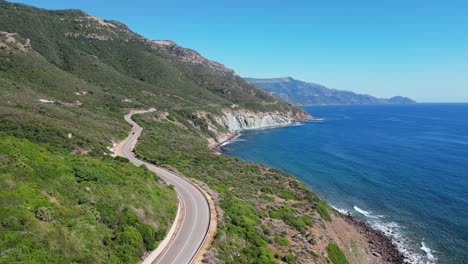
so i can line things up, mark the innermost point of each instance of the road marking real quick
(182, 224)
(193, 227)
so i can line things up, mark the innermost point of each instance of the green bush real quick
(129, 245)
(322, 209)
(287, 195)
(290, 259)
(335, 254)
(268, 198)
(281, 241)
(85, 174)
(286, 214)
(148, 235)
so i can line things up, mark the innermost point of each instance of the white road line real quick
(182, 224)
(193, 227)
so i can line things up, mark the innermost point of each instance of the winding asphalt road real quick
(195, 213)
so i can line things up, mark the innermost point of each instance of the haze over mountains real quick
(302, 93)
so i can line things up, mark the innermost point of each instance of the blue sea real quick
(402, 168)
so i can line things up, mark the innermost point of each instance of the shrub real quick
(131, 237)
(84, 174)
(286, 214)
(267, 189)
(267, 198)
(322, 209)
(281, 241)
(290, 259)
(287, 195)
(148, 235)
(335, 254)
(160, 233)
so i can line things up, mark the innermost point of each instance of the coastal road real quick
(194, 222)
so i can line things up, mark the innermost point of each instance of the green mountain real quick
(302, 93)
(67, 79)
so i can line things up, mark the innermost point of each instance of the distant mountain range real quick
(302, 93)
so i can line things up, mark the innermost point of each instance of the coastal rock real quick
(382, 249)
(242, 120)
(239, 120)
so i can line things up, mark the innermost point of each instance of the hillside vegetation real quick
(58, 207)
(66, 81)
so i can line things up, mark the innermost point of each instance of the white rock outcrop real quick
(237, 121)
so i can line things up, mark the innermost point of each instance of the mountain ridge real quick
(303, 93)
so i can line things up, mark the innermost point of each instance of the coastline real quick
(231, 136)
(382, 249)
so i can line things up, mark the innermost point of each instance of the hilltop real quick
(302, 93)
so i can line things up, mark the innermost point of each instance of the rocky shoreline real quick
(382, 250)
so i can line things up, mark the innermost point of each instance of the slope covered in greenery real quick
(94, 70)
(112, 60)
(58, 207)
(66, 81)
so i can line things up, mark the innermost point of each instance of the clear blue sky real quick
(384, 48)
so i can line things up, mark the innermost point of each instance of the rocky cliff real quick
(244, 120)
(227, 124)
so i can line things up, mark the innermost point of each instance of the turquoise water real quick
(404, 169)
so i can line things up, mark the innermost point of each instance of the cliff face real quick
(232, 121)
(243, 120)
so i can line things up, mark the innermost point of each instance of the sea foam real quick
(403, 243)
(430, 256)
(340, 210)
(317, 120)
(361, 211)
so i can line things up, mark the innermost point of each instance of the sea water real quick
(402, 168)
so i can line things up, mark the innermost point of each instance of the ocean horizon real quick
(401, 168)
